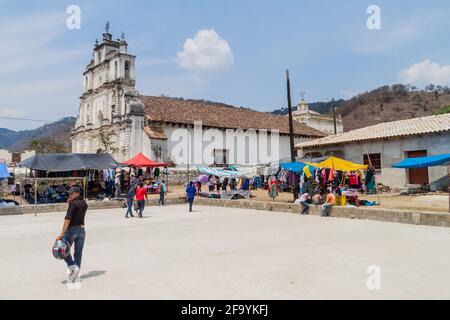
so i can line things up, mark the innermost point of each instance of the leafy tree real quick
(106, 139)
(47, 145)
(443, 110)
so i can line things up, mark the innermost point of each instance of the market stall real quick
(51, 175)
(139, 163)
(4, 191)
(343, 177)
(227, 183)
(425, 162)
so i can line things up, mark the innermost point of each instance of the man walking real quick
(73, 231)
(162, 192)
(190, 193)
(130, 201)
(141, 196)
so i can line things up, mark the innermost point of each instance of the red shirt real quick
(141, 193)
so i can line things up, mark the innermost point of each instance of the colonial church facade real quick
(113, 116)
(322, 122)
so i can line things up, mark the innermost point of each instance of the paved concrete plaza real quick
(222, 253)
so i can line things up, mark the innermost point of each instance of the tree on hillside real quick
(47, 145)
(443, 110)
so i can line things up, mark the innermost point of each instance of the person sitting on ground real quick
(304, 203)
(329, 203)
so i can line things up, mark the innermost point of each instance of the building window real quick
(220, 157)
(115, 70)
(16, 157)
(375, 160)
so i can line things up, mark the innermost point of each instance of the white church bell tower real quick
(111, 114)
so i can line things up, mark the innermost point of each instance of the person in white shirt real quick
(304, 203)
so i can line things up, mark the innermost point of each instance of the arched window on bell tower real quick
(127, 69)
(100, 118)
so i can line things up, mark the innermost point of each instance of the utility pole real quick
(291, 129)
(188, 155)
(334, 115)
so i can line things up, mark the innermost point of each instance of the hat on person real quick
(75, 190)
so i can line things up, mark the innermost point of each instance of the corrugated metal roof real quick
(416, 126)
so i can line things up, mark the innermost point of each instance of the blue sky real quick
(238, 54)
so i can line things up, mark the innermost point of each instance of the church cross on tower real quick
(302, 95)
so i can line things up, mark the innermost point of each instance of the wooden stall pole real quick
(291, 129)
(35, 195)
(374, 176)
(84, 188)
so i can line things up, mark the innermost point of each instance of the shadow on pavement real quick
(90, 274)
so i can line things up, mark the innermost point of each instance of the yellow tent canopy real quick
(339, 164)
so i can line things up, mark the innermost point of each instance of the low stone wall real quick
(366, 213)
(62, 207)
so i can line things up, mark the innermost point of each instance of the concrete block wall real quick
(364, 213)
(179, 177)
(372, 213)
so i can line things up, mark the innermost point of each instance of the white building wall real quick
(394, 151)
(6, 156)
(172, 132)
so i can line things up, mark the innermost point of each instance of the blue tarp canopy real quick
(221, 173)
(3, 171)
(294, 166)
(424, 162)
(63, 162)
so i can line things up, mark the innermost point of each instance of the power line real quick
(25, 119)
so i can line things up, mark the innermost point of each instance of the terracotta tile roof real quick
(403, 128)
(218, 115)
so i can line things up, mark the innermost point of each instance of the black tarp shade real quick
(62, 162)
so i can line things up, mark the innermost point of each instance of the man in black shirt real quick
(73, 231)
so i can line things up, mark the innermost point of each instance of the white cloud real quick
(207, 51)
(426, 72)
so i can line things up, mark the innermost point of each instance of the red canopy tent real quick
(141, 161)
